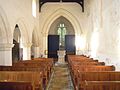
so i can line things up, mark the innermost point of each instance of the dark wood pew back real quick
(99, 76)
(100, 85)
(35, 78)
(5, 85)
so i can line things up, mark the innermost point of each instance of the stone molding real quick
(6, 46)
(27, 45)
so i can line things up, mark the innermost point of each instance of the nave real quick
(61, 79)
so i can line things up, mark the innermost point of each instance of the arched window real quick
(34, 8)
(61, 33)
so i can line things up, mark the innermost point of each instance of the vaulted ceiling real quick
(80, 2)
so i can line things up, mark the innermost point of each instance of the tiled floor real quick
(60, 79)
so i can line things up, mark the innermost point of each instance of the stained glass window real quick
(61, 33)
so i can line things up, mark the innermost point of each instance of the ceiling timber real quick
(80, 2)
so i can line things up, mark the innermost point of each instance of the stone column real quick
(36, 52)
(27, 51)
(45, 43)
(6, 54)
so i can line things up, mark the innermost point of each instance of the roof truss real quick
(80, 2)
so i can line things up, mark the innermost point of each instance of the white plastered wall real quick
(104, 19)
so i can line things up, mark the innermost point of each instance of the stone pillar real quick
(45, 43)
(6, 54)
(27, 51)
(36, 52)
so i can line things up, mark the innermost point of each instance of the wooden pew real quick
(43, 65)
(87, 63)
(79, 57)
(86, 68)
(99, 85)
(49, 62)
(41, 62)
(6, 85)
(47, 65)
(94, 68)
(35, 78)
(97, 76)
(82, 69)
(28, 68)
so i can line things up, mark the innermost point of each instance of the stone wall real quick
(104, 19)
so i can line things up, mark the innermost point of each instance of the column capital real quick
(6, 46)
(27, 45)
(36, 45)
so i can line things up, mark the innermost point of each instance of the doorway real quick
(53, 45)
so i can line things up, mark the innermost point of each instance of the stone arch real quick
(58, 13)
(16, 54)
(25, 42)
(5, 30)
(56, 23)
(16, 34)
(24, 31)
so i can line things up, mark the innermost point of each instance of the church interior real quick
(59, 45)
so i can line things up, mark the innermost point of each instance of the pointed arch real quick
(24, 31)
(5, 30)
(16, 34)
(61, 20)
(58, 13)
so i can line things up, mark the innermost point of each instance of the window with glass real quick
(61, 33)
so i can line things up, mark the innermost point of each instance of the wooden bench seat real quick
(6, 85)
(88, 63)
(97, 76)
(43, 62)
(44, 65)
(89, 74)
(35, 78)
(99, 85)
(86, 68)
(93, 68)
(43, 71)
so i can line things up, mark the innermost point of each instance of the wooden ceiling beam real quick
(80, 2)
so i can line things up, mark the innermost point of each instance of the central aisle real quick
(60, 79)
